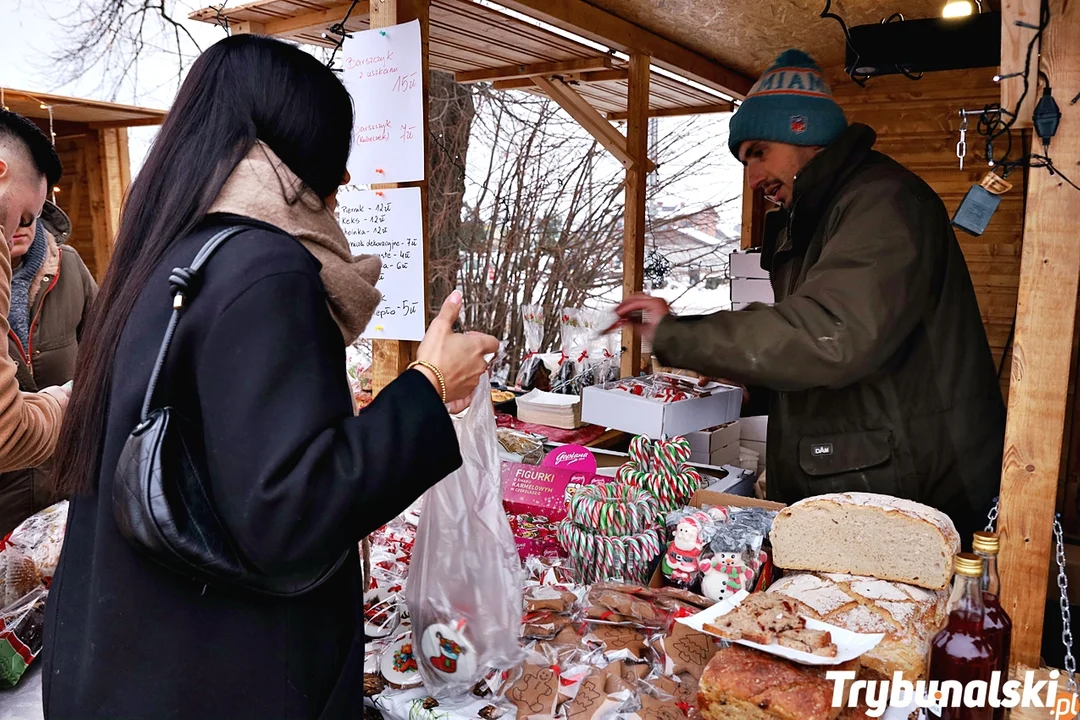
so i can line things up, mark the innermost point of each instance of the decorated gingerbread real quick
(720, 580)
(681, 563)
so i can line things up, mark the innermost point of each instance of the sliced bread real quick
(878, 536)
(907, 615)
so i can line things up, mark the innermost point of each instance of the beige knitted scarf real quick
(262, 187)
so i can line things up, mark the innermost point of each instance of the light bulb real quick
(957, 8)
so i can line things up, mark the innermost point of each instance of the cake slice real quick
(814, 642)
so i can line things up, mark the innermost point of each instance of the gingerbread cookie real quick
(536, 692)
(616, 638)
(654, 709)
(687, 650)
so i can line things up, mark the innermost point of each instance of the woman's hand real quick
(459, 357)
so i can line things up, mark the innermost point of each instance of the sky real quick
(30, 34)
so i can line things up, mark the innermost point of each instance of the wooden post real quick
(753, 216)
(391, 357)
(637, 145)
(103, 220)
(1046, 308)
(1015, 40)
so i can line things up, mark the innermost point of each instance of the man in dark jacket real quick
(51, 293)
(879, 373)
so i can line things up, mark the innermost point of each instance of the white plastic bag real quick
(464, 589)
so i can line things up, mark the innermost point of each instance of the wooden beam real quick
(247, 27)
(1014, 45)
(100, 222)
(1046, 309)
(599, 76)
(581, 18)
(680, 111)
(315, 20)
(753, 216)
(514, 72)
(573, 78)
(590, 119)
(390, 358)
(637, 139)
(136, 122)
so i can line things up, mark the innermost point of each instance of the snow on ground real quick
(684, 300)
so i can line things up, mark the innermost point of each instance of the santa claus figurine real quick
(680, 565)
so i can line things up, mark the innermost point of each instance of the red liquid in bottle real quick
(996, 622)
(998, 627)
(963, 650)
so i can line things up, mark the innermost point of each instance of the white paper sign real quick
(849, 645)
(388, 223)
(383, 73)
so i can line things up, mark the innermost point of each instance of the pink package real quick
(535, 499)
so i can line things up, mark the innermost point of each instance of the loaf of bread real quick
(741, 683)
(908, 616)
(866, 534)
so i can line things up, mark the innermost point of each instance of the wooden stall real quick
(632, 59)
(92, 141)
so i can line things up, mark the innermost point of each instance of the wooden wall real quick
(918, 124)
(96, 176)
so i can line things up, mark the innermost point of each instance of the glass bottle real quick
(962, 651)
(995, 621)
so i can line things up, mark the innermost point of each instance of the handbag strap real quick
(183, 283)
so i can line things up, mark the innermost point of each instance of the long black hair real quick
(243, 89)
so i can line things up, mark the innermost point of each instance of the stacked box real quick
(749, 283)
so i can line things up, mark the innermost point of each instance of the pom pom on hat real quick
(790, 103)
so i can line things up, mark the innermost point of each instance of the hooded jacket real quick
(59, 300)
(881, 375)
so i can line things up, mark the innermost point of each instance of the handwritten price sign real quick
(382, 71)
(388, 223)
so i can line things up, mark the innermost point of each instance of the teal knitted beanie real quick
(790, 103)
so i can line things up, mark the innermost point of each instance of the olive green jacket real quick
(881, 375)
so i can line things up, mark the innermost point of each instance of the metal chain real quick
(961, 147)
(1066, 616)
(1063, 600)
(991, 520)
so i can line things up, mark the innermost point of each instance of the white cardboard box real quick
(754, 428)
(758, 447)
(706, 442)
(747, 265)
(751, 290)
(629, 413)
(727, 455)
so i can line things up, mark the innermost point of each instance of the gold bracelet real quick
(438, 376)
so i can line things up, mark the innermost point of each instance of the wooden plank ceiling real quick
(77, 110)
(747, 36)
(467, 38)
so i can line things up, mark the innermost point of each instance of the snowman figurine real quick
(681, 561)
(723, 576)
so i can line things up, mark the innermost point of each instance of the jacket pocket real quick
(856, 461)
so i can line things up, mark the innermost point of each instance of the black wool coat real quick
(258, 360)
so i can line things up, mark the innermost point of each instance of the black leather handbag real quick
(161, 496)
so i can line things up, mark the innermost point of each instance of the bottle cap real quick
(968, 565)
(986, 542)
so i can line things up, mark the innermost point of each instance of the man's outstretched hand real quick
(643, 311)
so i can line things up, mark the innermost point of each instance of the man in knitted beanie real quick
(873, 362)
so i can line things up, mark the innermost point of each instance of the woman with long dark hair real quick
(258, 140)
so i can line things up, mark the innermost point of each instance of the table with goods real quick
(587, 584)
